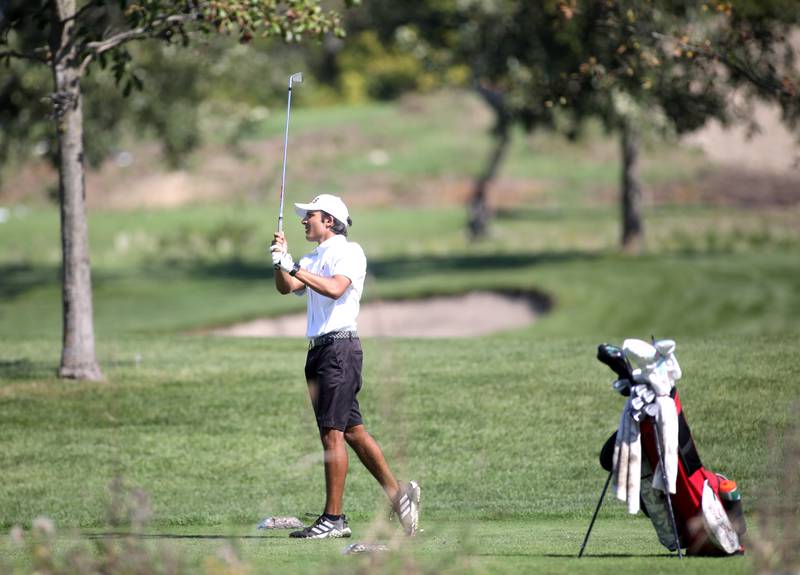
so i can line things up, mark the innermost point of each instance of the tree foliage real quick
(153, 88)
(669, 64)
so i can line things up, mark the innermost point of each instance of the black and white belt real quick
(328, 338)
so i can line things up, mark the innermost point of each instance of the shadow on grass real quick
(228, 537)
(26, 369)
(575, 555)
(398, 266)
(607, 555)
(118, 535)
(530, 214)
(404, 266)
(235, 269)
(17, 279)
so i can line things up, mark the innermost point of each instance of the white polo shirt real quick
(334, 257)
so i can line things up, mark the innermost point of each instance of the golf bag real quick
(653, 460)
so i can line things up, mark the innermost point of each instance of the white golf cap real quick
(326, 203)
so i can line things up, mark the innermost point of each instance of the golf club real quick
(613, 357)
(293, 79)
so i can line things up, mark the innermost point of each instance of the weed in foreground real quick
(776, 545)
(122, 550)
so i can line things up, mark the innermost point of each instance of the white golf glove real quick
(282, 260)
(277, 254)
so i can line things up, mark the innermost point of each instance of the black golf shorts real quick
(333, 373)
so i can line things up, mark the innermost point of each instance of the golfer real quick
(332, 278)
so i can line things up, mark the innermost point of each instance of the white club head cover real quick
(672, 367)
(639, 352)
(665, 346)
(666, 349)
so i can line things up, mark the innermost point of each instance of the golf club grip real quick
(280, 211)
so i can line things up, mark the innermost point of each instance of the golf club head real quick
(612, 356)
(622, 386)
(295, 79)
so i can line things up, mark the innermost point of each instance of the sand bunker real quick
(466, 315)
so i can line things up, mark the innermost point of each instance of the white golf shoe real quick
(407, 507)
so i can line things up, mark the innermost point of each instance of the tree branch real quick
(166, 23)
(156, 28)
(765, 85)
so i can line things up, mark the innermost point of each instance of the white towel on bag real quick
(667, 421)
(627, 464)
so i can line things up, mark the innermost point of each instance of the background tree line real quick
(663, 65)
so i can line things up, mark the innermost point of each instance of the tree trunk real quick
(632, 231)
(479, 213)
(78, 355)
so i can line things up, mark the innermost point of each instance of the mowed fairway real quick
(502, 431)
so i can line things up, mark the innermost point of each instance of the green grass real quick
(502, 431)
(617, 546)
(217, 430)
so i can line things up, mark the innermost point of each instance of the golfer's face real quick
(315, 227)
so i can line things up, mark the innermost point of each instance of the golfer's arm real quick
(332, 287)
(285, 283)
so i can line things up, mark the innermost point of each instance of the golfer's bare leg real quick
(370, 454)
(335, 453)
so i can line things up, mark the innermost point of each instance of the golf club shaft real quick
(285, 147)
(596, 511)
(666, 486)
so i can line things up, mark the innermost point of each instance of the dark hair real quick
(338, 227)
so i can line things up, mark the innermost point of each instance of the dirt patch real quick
(215, 173)
(733, 186)
(771, 147)
(466, 315)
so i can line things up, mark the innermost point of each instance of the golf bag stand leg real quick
(666, 486)
(596, 511)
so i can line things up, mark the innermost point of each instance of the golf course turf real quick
(212, 434)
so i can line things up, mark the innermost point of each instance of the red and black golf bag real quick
(705, 511)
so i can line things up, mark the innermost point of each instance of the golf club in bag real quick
(653, 462)
(293, 79)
